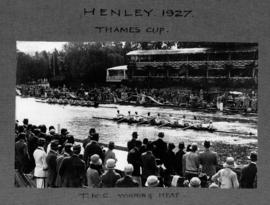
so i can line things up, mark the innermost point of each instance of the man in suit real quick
(21, 153)
(131, 143)
(72, 169)
(40, 170)
(127, 180)
(160, 147)
(208, 160)
(249, 173)
(88, 139)
(93, 148)
(149, 166)
(51, 162)
(134, 158)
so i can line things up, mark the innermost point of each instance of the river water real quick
(78, 120)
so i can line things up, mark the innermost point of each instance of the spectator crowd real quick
(55, 160)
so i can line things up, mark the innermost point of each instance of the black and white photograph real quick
(136, 114)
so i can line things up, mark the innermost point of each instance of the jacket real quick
(40, 162)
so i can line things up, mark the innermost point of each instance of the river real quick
(78, 120)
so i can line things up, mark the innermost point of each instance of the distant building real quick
(116, 74)
(204, 65)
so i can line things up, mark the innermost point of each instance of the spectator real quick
(90, 135)
(226, 177)
(152, 181)
(127, 180)
(249, 173)
(40, 170)
(109, 154)
(195, 182)
(149, 166)
(51, 162)
(191, 163)
(21, 154)
(67, 153)
(94, 171)
(132, 142)
(134, 158)
(170, 159)
(160, 147)
(72, 169)
(93, 148)
(109, 178)
(208, 160)
(179, 158)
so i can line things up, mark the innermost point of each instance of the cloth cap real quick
(152, 181)
(110, 163)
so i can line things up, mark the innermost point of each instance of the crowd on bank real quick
(56, 161)
(246, 100)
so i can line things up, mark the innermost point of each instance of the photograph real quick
(110, 114)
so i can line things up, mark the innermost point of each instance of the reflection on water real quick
(78, 120)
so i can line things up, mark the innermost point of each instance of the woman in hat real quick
(226, 177)
(109, 154)
(152, 181)
(94, 171)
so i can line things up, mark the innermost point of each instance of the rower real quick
(136, 117)
(119, 115)
(210, 126)
(157, 120)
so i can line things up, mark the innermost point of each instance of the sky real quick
(31, 47)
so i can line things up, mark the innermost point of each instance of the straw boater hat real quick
(110, 164)
(95, 160)
(152, 181)
(229, 163)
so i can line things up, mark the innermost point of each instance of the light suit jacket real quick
(40, 162)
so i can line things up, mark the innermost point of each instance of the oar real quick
(187, 127)
(163, 125)
(236, 133)
(121, 119)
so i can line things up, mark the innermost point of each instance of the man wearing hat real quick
(40, 170)
(72, 169)
(88, 139)
(226, 177)
(109, 178)
(51, 162)
(131, 143)
(249, 173)
(94, 171)
(21, 153)
(208, 160)
(160, 147)
(93, 148)
(127, 180)
(67, 153)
